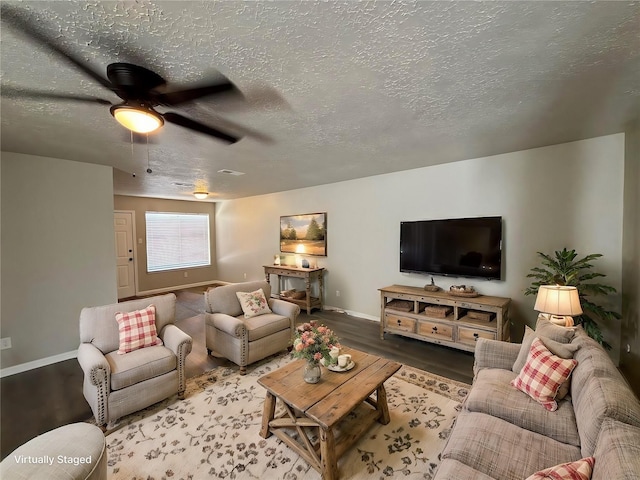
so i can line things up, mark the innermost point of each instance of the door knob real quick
(131, 259)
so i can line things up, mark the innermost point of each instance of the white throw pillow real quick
(253, 303)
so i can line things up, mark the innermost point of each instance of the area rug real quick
(214, 432)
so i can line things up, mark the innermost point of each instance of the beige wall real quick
(567, 195)
(57, 252)
(630, 335)
(150, 282)
(564, 195)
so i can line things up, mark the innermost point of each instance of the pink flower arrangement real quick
(313, 342)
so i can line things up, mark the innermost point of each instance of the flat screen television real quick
(462, 247)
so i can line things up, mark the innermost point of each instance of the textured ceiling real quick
(334, 90)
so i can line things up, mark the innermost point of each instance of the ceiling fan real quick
(140, 89)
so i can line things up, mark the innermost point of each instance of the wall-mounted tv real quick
(463, 247)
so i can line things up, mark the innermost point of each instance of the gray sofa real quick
(503, 434)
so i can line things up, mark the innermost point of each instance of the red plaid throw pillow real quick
(579, 470)
(542, 375)
(137, 329)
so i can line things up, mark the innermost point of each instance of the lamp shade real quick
(558, 300)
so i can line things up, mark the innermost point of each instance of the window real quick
(177, 240)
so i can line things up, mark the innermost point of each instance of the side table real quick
(308, 274)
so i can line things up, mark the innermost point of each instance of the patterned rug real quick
(213, 432)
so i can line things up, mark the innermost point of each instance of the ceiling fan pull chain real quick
(132, 159)
(148, 162)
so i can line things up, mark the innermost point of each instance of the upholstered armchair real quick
(246, 340)
(117, 384)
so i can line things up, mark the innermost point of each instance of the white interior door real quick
(125, 260)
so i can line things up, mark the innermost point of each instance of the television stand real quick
(441, 318)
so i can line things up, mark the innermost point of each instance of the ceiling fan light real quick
(201, 195)
(137, 119)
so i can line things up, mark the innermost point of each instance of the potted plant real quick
(564, 269)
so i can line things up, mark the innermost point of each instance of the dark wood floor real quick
(39, 400)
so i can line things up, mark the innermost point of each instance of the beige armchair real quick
(247, 340)
(116, 385)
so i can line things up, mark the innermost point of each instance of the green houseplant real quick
(564, 269)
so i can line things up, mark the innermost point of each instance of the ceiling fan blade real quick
(185, 122)
(186, 95)
(7, 91)
(228, 125)
(18, 19)
(263, 97)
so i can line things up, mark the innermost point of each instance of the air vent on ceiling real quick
(230, 172)
(182, 184)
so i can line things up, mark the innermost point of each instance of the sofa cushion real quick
(450, 469)
(593, 360)
(139, 365)
(544, 328)
(502, 450)
(492, 394)
(589, 348)
(137, 329)
(525, 346)
(617, 452)
(578, 470)
(543, 374)
(264, 325)
(494, 354)
(253, 303)
(603, 397)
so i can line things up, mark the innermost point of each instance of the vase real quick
(312, 372)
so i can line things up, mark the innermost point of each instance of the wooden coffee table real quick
(321, 408)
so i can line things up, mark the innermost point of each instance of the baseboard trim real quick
(180, 287)
(352, 313)
(43, 362)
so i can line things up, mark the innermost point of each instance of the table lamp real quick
(559, 302)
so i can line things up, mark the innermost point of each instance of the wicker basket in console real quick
(439, 311)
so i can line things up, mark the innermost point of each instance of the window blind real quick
(177, 240)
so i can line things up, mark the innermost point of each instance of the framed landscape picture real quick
(305, 234)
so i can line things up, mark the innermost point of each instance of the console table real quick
(439, 317)
(308, 274)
